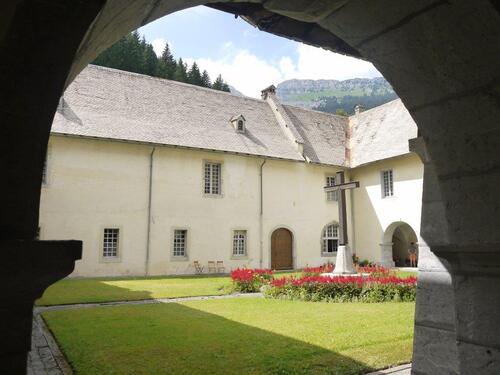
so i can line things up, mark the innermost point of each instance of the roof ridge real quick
(316, 111)
(377, 107)
(170, 81)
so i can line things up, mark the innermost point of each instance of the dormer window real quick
(239, 123)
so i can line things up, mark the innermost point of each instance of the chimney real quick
(285, 122)
(268, 90)
(358, 109)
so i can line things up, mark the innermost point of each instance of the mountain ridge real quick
(335, 96)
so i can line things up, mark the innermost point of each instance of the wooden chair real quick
(198, 267)
(220, 266)
(211, 267)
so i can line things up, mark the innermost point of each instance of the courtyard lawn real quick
(70, 291)
(235, 336)
(132, 289)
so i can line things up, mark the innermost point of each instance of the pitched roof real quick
(380, 133)
(323, 134)
(113, 104)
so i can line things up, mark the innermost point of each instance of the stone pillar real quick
(386, 255)
(476, 285)
(28, 267)
(38, 41)
(434, 345)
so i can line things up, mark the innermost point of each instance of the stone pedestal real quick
(26, 270)
(343, 263)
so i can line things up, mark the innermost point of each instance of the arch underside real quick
(441, 57)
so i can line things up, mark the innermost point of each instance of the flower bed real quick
(316, 271)
(250, 280)
(344, 288)
(381, 285)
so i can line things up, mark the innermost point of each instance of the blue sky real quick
(247, 58)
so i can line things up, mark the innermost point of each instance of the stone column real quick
(386, 255)
(38, 41)
(434, 349)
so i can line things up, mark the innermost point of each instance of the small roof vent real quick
(358, 108)
(238, 123)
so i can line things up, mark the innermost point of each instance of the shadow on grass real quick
(176, 339)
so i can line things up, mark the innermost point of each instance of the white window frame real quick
(175, 254)
(331, 196)
(330, 232)
(387, 183)
(104, 240)
(209, 187)
(239, 243)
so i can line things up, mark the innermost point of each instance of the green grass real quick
(406, 274)
(235, 336)
(139, 288)
(131, 289)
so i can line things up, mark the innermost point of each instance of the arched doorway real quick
(399, 237)
(281, 249)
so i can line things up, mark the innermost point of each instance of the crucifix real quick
(343, 263)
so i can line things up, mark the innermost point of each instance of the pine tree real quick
(194, 75)
(132, 54)
(220, 85)
(150, 61)
(167, 63)
(217, 85)
(205, 79)
(180, 73)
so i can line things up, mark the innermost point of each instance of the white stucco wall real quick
(94, 184)
(373, 215)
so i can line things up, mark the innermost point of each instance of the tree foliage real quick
(134, 54)
(219, 84)
(345, 105)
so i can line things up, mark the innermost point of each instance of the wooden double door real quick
(281, 249)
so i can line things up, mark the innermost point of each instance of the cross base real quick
(343, 263)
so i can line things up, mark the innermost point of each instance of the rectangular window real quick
(330, 239)
(212, 178)
(110, 242)
(331, 195)
(180, 240)
(387, 184)
(240, 243)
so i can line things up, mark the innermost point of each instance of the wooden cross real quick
(341, 186)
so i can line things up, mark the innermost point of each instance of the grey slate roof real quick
(324, 134)
(380, 133)
(112, 104)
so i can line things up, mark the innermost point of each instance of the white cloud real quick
(158, 45)
(245, 71)
(317, 63)
(250, 74)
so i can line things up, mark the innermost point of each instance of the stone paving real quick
(398, 370)
(45, 357)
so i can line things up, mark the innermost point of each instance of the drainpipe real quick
(352, 221)
(261, 215)
(148, 233)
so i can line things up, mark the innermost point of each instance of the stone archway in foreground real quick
(441, 57)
